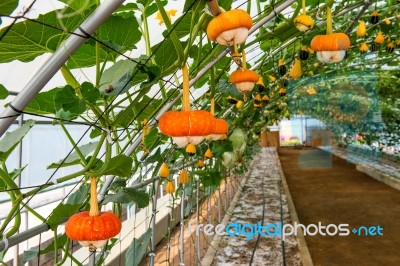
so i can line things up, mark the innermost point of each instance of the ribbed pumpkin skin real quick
(82, 227)
(330, 42)
(221, 126)
(187, 123)
(228, 20)
(243, 75)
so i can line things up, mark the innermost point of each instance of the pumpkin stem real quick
(303, 2)
(212, 108)
(328, 20)
(244, 62)
(185, 92)
(244, 96)
(94, 204)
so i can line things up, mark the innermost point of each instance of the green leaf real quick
(194, 5)
(79, 5)
(156, 157)
(120, 165)
(3, 92)
(30, 254)
(117, 79)
(7, 7)
(144, 108)
(165, 56)
(124, 117)
(43, 103)
(85, 56)
(79, 196)
(121, 30)
(12, 139)
(153, 76)
(89, 92)
(129, 195)
(74, 158)
(151, 138)
(61, 214)
(26, 39)
(69, 102)
(137, 249)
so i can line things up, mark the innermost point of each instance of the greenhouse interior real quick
(199, 132)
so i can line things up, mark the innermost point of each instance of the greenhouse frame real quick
(199, 132)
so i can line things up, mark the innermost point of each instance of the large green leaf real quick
(12, 139)
(26, 40)
(89, 92)
(74, 158)
(165, 56)
(128, 195)
(117, 79)
(79, 5)
(145, 107)
(43, 103)
(137, 249)
(120, 165)
(79, 196)
(67, 100)
(7, 7)
(3, 92)
(61, 213)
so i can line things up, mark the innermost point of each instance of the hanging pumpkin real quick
(272, 78)
(230, 27)
(221, 126)
(265, 99)
(390, 47)
(363, 48)
(244, 78)
(260, 84)
(239, 104)
(285, 82)
(93, 228)
(303, 22)
(379, 39)
(190, 149)
(232, 100)
(282, 91)
(387, 21)
(257, 99)
(303, 54)
(257, 105)
(332, 47)
(200, 164)
(208, 154)
(374, 17)
(281, 67)
(183, 177)
(295, 72)
(186, 126)
(164, 170)
(170, 188)
(361, 29)
(398, 43)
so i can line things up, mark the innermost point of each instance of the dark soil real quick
(334, 192)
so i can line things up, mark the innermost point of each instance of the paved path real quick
(262, 194)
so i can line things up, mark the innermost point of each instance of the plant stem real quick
(71, 80)
(9, 182)
(328, 20)
(76, 148)
(303, 4)
(66, 252)
(94, 204)
(55, 247)
(185, 92)
(40, 217)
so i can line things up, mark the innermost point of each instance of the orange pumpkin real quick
(221, 128)
(363, 48)
(93, 228)
(244, 79)
(230, 27)
(187, 126)
(379, 39)
(164, 170)
(332, 47)
(170, 187)
(295, 71)
(183, 177)
(208, 154)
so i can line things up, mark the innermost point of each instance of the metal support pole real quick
(198, 221)
(92, 258)
(4, 125)
(56, 61)
(182, 237)
(153, 224)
